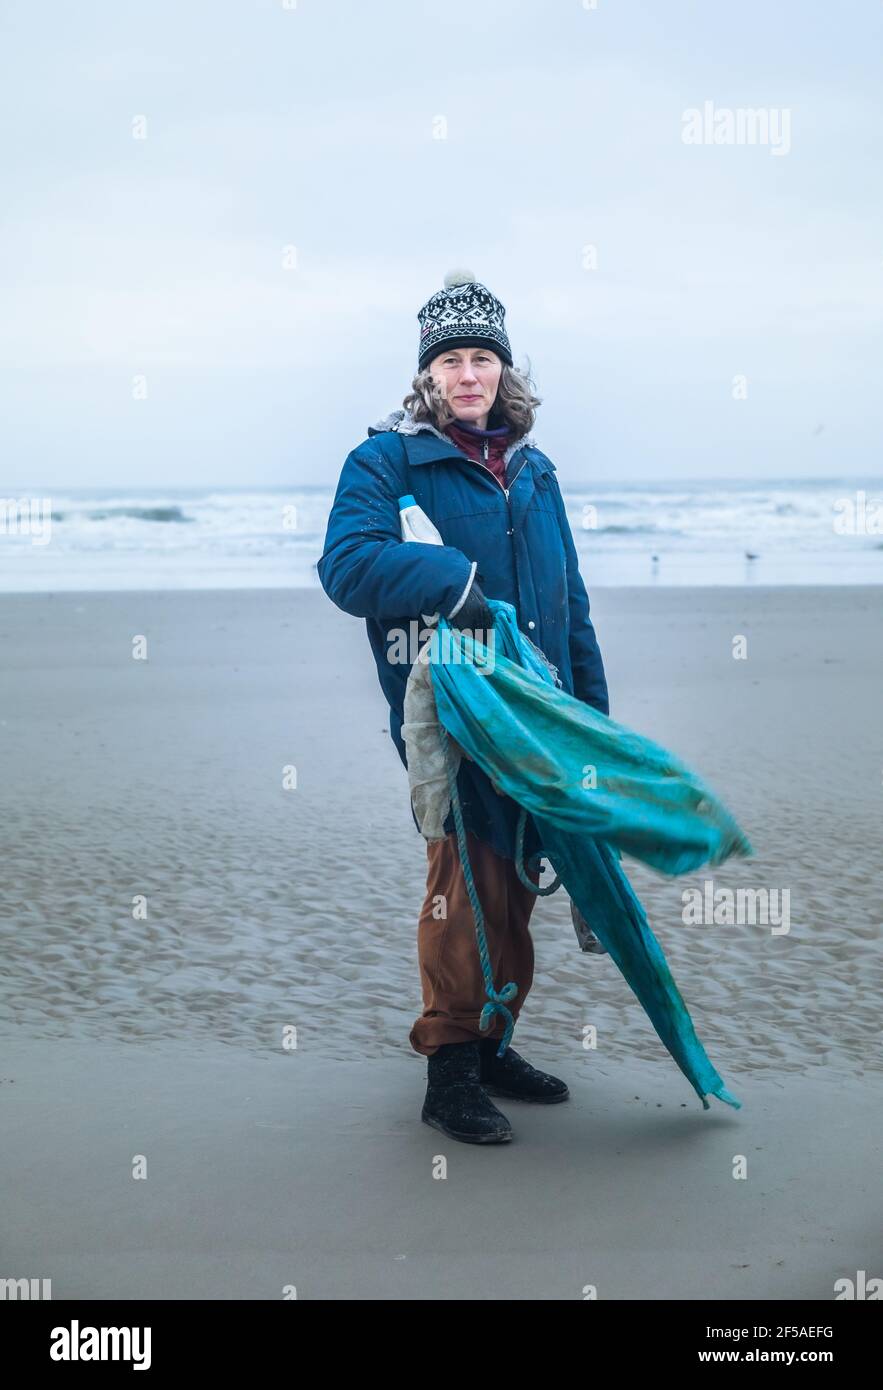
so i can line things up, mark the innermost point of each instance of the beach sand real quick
(271, 908)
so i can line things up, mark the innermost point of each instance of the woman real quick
(462, 448)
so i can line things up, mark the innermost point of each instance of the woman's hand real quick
(473, 615)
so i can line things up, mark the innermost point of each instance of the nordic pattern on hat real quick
(463, 309)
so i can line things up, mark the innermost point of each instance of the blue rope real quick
(535, 860)
(497, 1000)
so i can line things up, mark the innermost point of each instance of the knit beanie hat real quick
(463, 314)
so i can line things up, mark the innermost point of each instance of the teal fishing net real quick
(595, 789)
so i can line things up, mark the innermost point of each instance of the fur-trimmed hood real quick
(404, 423)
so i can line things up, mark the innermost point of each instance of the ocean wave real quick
(135, 513)
(637, 530)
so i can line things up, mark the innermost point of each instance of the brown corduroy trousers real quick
(450, 969)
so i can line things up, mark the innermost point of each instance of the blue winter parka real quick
(516, 541)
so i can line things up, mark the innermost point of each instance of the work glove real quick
(473, 614)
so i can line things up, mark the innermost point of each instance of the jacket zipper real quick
(491, 471)
(510, 531)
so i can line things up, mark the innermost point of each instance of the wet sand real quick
(270, 1172)
(270, 908)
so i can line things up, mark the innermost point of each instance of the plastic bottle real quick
(416, 525)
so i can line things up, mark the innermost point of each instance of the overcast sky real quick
(157, 264)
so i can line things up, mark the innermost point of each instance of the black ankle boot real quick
(457, 1103)
(511, 1076)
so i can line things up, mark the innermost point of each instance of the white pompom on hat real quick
(459, 277)
(463, 314)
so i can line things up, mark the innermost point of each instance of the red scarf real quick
(471, 441)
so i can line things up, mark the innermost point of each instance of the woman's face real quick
(470, 377)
